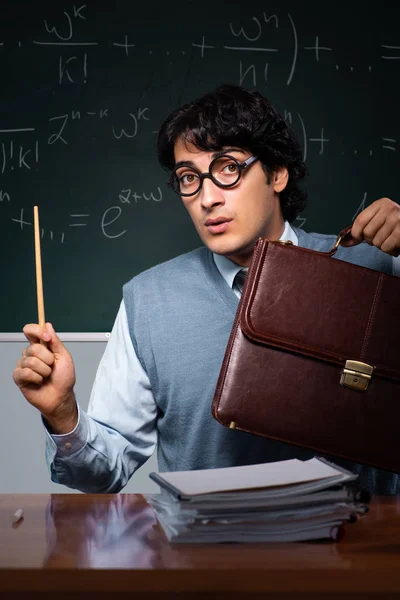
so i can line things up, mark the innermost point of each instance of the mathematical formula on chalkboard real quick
(86, 87)
(249, 44)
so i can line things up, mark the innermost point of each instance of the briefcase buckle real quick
(356, 375)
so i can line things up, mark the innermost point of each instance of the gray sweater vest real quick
(180, 314)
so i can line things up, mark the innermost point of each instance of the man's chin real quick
(222, 247)
(239, 253)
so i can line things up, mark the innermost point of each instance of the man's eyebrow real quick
(190, 163)
(185, 163)
(227, 150)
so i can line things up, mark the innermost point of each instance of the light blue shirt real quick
(120, 376)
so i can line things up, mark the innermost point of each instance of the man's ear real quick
(279, 179)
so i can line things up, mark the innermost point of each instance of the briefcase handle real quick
(344, 236)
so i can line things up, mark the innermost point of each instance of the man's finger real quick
(54, 342)
(34, 333)
(41, 352)
(363, 219)
(375, 227)
(36, 365)
(391, 244)
(382, 234)
(24, 377)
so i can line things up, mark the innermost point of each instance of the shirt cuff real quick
(67, 444)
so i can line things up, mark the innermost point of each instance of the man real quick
(236, 166)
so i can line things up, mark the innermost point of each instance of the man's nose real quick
(211, 194)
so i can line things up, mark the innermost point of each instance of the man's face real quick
(229, 221)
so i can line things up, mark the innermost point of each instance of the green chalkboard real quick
(86, 86)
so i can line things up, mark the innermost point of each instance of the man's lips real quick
(217, 221)
(217, 225)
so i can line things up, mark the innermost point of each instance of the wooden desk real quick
(92, 546)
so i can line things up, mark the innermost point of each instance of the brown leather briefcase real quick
(313, 358)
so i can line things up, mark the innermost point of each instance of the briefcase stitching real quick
(371, 318)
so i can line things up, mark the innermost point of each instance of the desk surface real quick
(93, 545)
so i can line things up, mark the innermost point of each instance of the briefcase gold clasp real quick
(356, 375)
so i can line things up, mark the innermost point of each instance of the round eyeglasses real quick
(225, 171)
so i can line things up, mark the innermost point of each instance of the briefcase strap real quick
(344, 236)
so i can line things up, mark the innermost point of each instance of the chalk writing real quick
(55, 137)
(123, 133)
(21, 220)
(300, 222)
(77, 14)
(77, 115)
(19, 157)
(267, 19)
(242, 75)
(202, 46)
(127, 195)
(397, 48)
(317, 48)
(295, 51)
(361, 207)
(242, 32)
(251, 49)
(18, 130)
(390, 141)
(134, 126)
(254, 36)
(106, 223)
(58, 35)
(254, 48)
(125, 45)
(66, 65)
(4, 196)
(289, 119)
(79, 224)
(321, 140)
(303, 129)
(65, 43)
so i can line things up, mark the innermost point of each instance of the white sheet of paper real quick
(282, 473)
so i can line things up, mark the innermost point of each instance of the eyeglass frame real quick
(208, 175)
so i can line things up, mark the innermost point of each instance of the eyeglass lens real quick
(224, 170)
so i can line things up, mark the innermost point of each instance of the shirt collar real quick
(229, 269)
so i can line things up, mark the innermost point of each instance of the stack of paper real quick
(290, 500)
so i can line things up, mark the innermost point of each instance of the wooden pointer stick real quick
(38, 262)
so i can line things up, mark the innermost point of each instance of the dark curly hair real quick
(234, 116)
